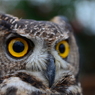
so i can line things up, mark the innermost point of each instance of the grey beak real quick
(50, 71)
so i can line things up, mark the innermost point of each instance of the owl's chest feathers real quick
(21, 84)
(35, 81)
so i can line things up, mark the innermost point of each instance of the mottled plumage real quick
(41, 71)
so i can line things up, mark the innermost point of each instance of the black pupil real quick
(61, 48)
(18, 46)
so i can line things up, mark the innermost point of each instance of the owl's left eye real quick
(18, 47)
(63, 48)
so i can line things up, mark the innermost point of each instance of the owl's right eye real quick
(63, 48)
(18, 47)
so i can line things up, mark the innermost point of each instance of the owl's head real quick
(45, 49)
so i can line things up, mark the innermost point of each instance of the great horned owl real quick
(38, 57)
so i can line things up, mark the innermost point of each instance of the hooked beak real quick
(50, 71)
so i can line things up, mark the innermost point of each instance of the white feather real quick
(60, 63)
(74, 89)
(17, 83)
(37, 60)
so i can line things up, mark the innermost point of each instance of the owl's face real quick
(46, 50)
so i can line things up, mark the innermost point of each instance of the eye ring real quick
(63, 48)
(15, 53)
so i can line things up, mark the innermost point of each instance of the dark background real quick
(81, 14)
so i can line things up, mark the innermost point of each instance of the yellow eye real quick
(63, 49)
(18, 47)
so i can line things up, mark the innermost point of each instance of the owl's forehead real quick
(43, 29)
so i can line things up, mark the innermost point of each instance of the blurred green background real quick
(81, 14)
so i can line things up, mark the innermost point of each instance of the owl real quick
(38, 57)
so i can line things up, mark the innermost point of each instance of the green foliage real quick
(44, 10)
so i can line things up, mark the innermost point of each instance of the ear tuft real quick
(62, 21)
(7, 21)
